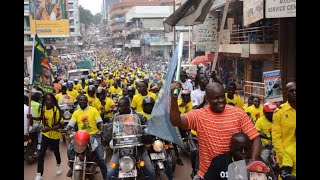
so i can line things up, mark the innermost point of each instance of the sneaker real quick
(38, 177)
(59, 169)
(69, 173)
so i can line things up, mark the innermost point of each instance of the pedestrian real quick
(215, 124)
(284, 123)
(50, 117)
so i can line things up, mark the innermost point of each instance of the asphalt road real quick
(30, 171)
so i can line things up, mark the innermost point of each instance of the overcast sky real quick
(93, 5)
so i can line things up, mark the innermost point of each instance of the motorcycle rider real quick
(92, 99)
(106, 105)
(71, 92)
(77, 86)
(63, 97)
(87, 118)
(124, 108)
(147, 105)
(264, 125)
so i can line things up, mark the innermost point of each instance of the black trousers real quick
(54, 145)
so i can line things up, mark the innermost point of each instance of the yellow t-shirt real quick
(48, 114)
(87, 119)
(110, 81)
(109, 105)
(93, 101)
(185, 109)
(74, 94)
(289, 157)
(146, 115)
(237, 101)
(77, 87)
(256, 113)
(66, 98)
(283, 129)
(94, 75)
(112, 89)
(137, 101)
(264, 125)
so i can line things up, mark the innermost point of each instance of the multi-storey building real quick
(117, 13)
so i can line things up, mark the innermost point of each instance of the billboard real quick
(252, 11)
(272, 84)
(49, 18)
(280, 9)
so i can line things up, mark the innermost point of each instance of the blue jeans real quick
(147, 169)
(98, 152)
(168, 167)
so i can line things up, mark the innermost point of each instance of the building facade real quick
(117, 17)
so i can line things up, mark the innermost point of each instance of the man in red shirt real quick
(215, 124)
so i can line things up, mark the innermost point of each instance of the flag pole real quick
(224, 16)
(30, 81)
(176, 91)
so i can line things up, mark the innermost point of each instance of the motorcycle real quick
(126, 139)
(84, 162)
(67, 110)
(268, 155)
(158, 155)
(31, 146)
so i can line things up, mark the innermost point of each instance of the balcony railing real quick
(117, 21)
(118, 12)
(257, 35)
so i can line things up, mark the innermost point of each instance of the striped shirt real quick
(216, 129)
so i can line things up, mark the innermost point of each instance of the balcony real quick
(257, 35)
(118, 12)
(113, 22)
(118, 29)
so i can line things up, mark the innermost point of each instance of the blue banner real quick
(159, 124)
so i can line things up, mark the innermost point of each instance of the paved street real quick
(181, 173)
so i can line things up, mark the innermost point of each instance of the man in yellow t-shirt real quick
(88, 118)
(92, 99)
(264, 126)
(71, 92)
(284, 123)
(142, 88)
(147, 106)
(115, 89)
(232, 97)
(256, 110)
(77, 86)
(250, 102)
(106, 105)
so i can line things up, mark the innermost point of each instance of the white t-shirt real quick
(197, 97)
(186, 85)
(26, 110)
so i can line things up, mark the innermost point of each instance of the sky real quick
(93, 5)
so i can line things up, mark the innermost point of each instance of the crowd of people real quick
(227, 128)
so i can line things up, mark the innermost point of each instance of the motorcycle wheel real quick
(77, 175)
(30, 158)
(173, 158)
(161, 175)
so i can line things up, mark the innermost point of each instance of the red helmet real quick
(81, 139)
(269, 107)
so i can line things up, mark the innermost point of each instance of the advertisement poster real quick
(42, 76)
(252, 11)
(49, 18)
(273, 87)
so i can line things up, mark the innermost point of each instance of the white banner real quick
(252, 11)
(280, 8)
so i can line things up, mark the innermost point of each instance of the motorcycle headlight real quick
(126, 164)
(67, 115)
(157, 145)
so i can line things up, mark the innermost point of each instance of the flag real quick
(41, 76)
(190, 13)
(159, 124)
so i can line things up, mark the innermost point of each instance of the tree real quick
(85, 16)
(97, 18)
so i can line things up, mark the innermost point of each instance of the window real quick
(26, 23)
(26, 7)
(72, 30)
(71, 14)
(71, 22)
(29, 38)
(70, 5)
